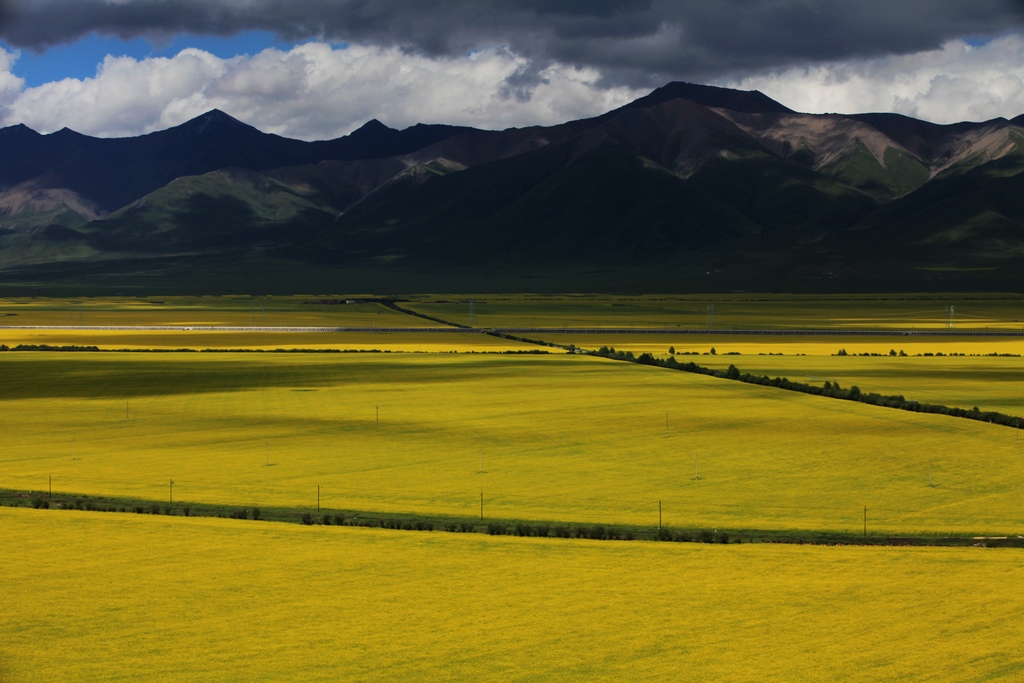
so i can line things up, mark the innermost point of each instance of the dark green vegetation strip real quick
(96, 349)
(494, 527)
(393, 305)
(829, 390)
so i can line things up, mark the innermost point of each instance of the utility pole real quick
(929, 474)
(377, 417)
(266, 444)
(697, 467)
(170, 498)
(481, 506)
(666, 424)
(126, 411)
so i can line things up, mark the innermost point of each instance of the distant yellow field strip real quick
(540, 330)
(230, 328)
(759, 332)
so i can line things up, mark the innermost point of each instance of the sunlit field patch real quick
(932, 370)
(752, 345)
(562, 437)
(111, 597)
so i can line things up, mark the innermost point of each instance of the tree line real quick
(828, 390)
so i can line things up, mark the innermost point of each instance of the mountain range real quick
(690, 188)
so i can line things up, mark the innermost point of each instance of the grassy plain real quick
(731, 311)
(137, 597)
(281, 311)
(561, 437)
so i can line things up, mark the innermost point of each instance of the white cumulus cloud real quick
(318, 91)
(313, 91)
(958, 82)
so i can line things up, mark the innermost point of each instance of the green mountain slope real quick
(231, 208)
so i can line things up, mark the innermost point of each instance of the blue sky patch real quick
(80, 59)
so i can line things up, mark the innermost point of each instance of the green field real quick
(731, 311)
(99, 597)
(279, 311)
(559, 437)
(411, 342)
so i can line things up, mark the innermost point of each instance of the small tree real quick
(671, 350)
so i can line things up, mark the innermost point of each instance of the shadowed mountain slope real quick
(688, 188)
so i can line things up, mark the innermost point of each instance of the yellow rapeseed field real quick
(561, 438)
(119, 597)
(989, 383)
(976, 379)
(752, 345)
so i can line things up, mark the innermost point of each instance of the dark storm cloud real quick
(631, 42)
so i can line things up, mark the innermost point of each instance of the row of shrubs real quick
(51, 347)
(151, 509)
(596, 532)
(929, 354)
(47, 347)
(830, 389)
(705, 536)
(309, 520)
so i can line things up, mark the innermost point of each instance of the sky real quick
(318, 69)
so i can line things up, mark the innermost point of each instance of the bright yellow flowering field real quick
(752, 345)
(118, 597)
(989, 383)
(560, 438)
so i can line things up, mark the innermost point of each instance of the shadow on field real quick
(93, 375)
